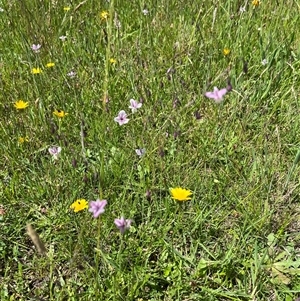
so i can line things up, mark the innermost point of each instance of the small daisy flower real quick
(134, 105)
(104, 15)
(50, 64)
(20, 105)
(54, 151)
(226, 51)
(36, 48)
(36, 70)
(121, 118)
(180, 194)
(79, 205)
(123, 224)
(112, 61)
(21, 140)
(264, 62)
(145, 12)
(60, 113)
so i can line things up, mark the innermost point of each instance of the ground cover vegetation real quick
(150, 150)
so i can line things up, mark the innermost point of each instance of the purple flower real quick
(54, 151)
(121, 118)
(134, 105)
(216, 95)
(36, 48)
(140, 152)
(71, 74)
(97, 207)
(123, 224)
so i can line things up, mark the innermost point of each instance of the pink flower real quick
(121, 118)
(134, 105)
(36, 48)
(216, 95)
(54, 151)
(123, 224)
(97, 207)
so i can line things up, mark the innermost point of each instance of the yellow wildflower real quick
(104, 15)
(60, 113)
(20, 105)
(180, 194)
(66, 8)
(226, 51)
(79, 205)
(255, 2)
(49, 65)
(36, 70)
(112, 61)
(21, 140)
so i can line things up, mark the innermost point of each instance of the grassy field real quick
(69, 69)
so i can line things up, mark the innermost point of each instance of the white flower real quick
(54, 151)
(264, 62)
(71, 74)
(134, 105)
(242, 9)
(63, 38)
(145, 12)
(140, 152)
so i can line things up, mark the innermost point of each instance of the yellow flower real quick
(49, 65)
(112, 61)
(180, 194)
(255, 2)
(36, 70)
(66, 8)
(20, 105)
(23, 139)
(226, 51)
(104, 15)
(79, 205)
(60, 113)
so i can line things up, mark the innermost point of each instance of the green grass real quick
(238, 238)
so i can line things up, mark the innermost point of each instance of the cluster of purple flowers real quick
(97, 208)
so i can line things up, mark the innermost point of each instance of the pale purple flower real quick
(140, 151)
(71, 74)
(121, 118)
(54, 151)
(134, 105)
(36, 48)
(216, 95)
(97, 207)
(123, 224)
(63, 38)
